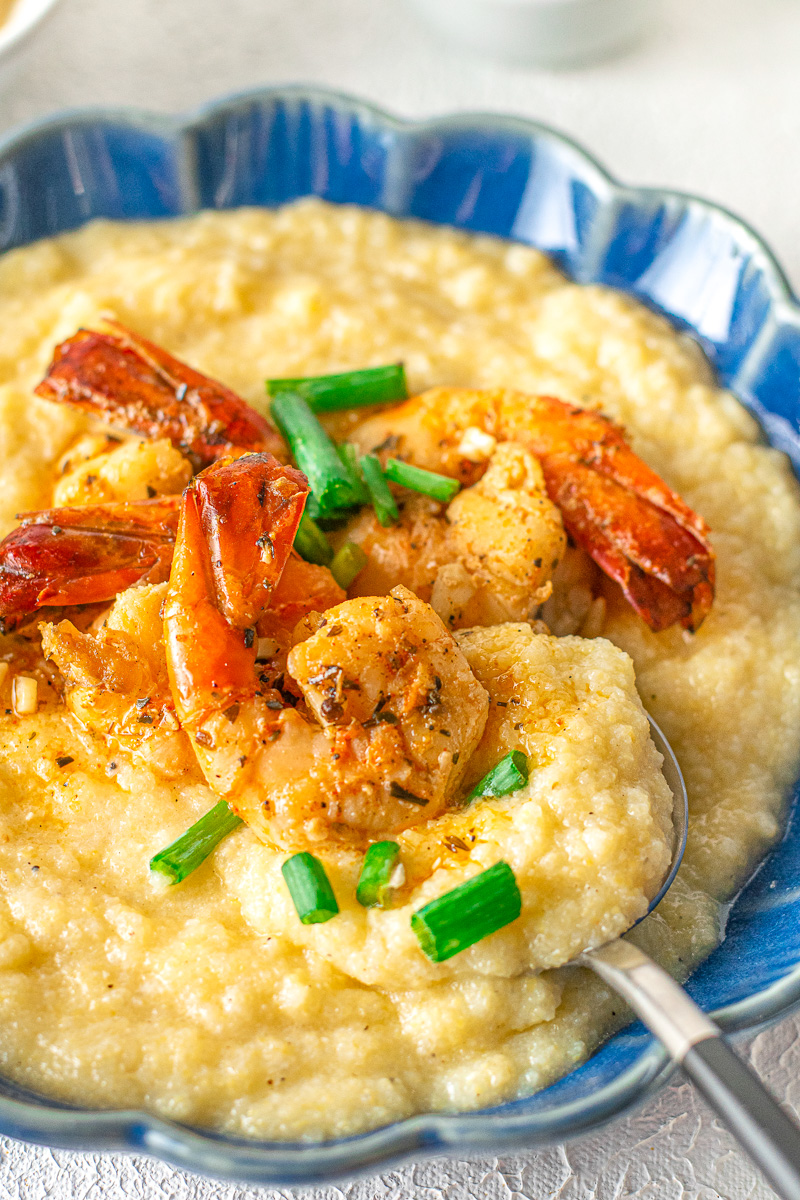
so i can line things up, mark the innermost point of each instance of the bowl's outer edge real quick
(37, 1120)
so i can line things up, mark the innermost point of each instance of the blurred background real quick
(708, 101)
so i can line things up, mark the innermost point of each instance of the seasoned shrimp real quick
(639, 532)
(116, 683)
(115, 673)
(489, 560)
(387, 711)
(103, 470)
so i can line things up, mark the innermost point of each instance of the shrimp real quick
(106, 470)
(127, 380)
(114, 674)
(115, 680)
(490, 560)
(376, 718)
(73, 556)
(638, 531)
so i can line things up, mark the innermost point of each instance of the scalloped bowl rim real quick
(235, 1159)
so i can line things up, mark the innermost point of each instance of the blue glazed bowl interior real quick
(683, 257)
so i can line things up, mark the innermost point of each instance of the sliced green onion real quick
(440, 487)
(379, 491)
(310, 889)
(508, 776)
(347, 562)
(349, 389)
(330, 518)
(311, 544)
(349, 456)
(314, 453)
(468, 914)
(375, 881)
(194, 846)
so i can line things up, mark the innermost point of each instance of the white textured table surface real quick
(711, 104)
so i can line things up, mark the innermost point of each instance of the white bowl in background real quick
(545, 33)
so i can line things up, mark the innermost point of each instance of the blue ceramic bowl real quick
(687, 258)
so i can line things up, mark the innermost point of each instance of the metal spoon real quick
(693, 1040)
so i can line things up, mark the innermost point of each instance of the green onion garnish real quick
(194, 846)
(510, 774)
(347, 562)
(440, 487)
(310, 889)
(468, 914)
(349, 389)
(314, 453)
(374, 883)
(329, 519)
(379, 491)
(311, 544)
(349, 456)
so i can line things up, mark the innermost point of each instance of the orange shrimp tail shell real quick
(68, 556)
(237, 525)
(622, 513)
(130, 382)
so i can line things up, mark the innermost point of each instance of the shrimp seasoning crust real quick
(324, 744)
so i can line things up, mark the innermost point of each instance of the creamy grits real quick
(208, 1002)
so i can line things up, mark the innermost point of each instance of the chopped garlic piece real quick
(24, 695)
(398, 876)
(267, 648)
(477, 445)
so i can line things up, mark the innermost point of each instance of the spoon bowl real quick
(692, 1039)
(680, 809)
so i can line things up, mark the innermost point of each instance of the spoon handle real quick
(768, 1135)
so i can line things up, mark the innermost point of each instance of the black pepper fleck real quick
(400, 793)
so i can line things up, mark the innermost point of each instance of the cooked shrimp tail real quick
(71, 556)
(237, 525)
(638, 531)
(130, 382)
